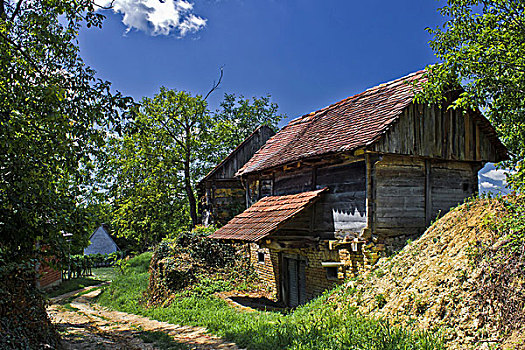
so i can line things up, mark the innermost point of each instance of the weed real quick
(380, 300)
(160, 340)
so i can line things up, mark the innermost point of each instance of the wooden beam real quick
(468, 137)
(428, 192)
(369, 193)
(478, 145)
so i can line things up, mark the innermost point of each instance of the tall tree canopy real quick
(54, 115)
(172, 142)
(482, 48)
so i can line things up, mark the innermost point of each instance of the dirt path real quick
(86, 325)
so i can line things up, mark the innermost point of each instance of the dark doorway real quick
(294, 281)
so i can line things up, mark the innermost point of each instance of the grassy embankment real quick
(317, 325)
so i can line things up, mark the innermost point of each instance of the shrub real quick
(500, 290)
(24, 323)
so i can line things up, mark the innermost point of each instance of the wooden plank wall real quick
(399, 196)
(244, 153)
(341, 210)
(411, 192)
(451, 183)
(433, 132)
(223, 199)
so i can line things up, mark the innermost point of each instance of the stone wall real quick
(356, 259)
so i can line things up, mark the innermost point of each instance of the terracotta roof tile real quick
(265, 216)
(354, 122)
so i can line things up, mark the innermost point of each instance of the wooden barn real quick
(221, 194)
(337, 187)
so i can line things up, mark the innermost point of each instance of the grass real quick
(72, 285)
(160, 340)
(104, 273)
(315, 325)
(100, 275)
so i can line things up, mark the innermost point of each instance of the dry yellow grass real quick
(431, 283)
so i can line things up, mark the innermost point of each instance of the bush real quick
(24, 323)
(178, 262)
(500, 290)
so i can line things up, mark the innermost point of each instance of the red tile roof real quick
(354, 122)
(267, 215)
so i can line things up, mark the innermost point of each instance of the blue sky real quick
(305, 54)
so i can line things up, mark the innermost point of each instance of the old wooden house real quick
(337, 187)
(221, 194)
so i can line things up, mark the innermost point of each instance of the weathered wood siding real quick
(437, 133)
(243, 153)
(399, 196)
(342, 210)
(221, 194)
(451, 183)
(411, 192)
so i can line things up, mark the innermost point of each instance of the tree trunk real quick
(189, 192)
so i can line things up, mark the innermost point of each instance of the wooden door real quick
(295, 281)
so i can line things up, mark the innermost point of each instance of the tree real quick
(236, 119)
(150, 164)
(172, 142)
(482, 48)
(54, 115)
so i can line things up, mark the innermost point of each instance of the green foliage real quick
(211, 252)
(160, 340)
(171, 143)
(316, 325)
(482, 48)
(380, 300)
(236, 119)
(54, 115)
(24, 323)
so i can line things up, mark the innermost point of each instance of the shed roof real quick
(266, 216)
(352, 123)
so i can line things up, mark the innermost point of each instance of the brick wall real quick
(268, 271)
(47, 276)
(316, 275)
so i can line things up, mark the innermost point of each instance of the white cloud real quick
(157, 17)
(495, 174)
(484, 186)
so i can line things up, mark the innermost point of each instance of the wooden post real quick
(428, 192)
(369, 194)
(468, 138)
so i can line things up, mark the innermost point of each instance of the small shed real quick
(221, 194)
(101, 242)
(335, 189)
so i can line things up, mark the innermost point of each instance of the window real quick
(260, 257)
(332, 272)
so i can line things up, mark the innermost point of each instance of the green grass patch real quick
(104, 273)
(72, 285)
(68, 306)
(161, 340)
(316, 325)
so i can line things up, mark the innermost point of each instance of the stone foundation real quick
(356, 257)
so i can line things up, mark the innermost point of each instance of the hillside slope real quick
(433, 282)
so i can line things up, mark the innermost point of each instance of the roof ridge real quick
(373, 88)
(342, 126)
